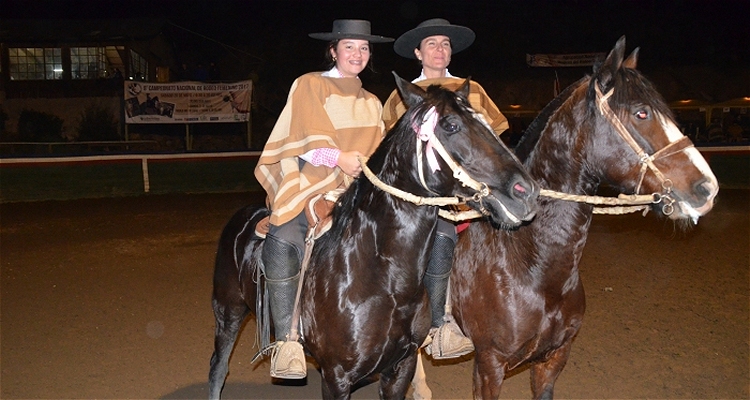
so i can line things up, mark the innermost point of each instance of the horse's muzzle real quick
(513, 206)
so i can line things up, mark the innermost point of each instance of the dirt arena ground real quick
(110, 299)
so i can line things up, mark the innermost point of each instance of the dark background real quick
(696, 49)
(669, 32)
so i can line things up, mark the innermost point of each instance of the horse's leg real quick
(333, 387)
(489, 372)
(395, 381)
(228, 322)
(544, 374)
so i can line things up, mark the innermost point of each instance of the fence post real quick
(188, 145)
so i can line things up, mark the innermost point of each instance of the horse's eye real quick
(641, 114)
(451, 127)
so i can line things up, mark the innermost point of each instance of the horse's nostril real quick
(524, 190)
(702, 188)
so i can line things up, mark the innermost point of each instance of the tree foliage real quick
(37, 126)
(97, 123)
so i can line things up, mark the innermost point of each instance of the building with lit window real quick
(61, 67)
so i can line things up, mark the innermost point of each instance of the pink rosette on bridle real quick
(426, 133)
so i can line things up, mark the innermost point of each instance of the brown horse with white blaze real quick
(518, 294)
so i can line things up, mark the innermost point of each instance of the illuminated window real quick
(35, 63)
(138, 67)
(88, 62)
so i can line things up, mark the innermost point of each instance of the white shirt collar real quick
(422, 76)
(334, 73)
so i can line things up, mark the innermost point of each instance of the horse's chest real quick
(552, 331)
(548, 322)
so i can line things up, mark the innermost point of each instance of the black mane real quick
(397, 148)
(630, 84)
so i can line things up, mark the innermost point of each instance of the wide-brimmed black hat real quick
(461, 37)
(351, 29)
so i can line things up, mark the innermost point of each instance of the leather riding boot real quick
(281, 261)
(445, 339)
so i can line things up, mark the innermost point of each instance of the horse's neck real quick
(381, 206)
(400, 231)
(561, 227)
(396, 224)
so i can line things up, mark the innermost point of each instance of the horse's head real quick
(650, 153)
(457, 154)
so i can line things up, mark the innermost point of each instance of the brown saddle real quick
(317, 211)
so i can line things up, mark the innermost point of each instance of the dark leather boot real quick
(281, 262)
(446, 339)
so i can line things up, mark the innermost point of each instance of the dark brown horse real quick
(518, 294)
(363, 306)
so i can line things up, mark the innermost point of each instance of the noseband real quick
(426, 133)
(647, 161)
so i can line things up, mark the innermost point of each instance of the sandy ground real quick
(110, 298)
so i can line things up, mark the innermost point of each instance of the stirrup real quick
(447, 341)
(288, 360)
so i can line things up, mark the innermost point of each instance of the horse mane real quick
(394, 154)
(533, 132)
(630, 84)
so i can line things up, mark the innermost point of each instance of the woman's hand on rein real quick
(349, 163)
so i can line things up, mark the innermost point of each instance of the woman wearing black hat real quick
(313, 149)
(433, 42)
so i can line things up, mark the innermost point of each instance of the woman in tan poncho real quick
(328, 121)
(433, 42)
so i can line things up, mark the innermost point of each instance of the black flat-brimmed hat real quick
(461, 37)
(351, 29)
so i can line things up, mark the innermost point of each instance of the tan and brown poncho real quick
(320, 112)
(394, 108)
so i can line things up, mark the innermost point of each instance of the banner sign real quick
(564, 60)
(186, 102)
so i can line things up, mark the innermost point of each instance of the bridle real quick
(426, 134)
(646, 160)
(428, 145)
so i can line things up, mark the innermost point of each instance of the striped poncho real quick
(321, 112)
(394, 108)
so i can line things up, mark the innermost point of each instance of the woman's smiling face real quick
(352, 56)
(435, 52)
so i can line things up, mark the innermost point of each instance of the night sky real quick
(270, 37)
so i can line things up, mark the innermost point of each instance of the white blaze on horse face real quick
(672, 131)
(712, 185)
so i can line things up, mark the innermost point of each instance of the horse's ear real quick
(632, 59)
(410, 93)
(611, 64)
(463, 91)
